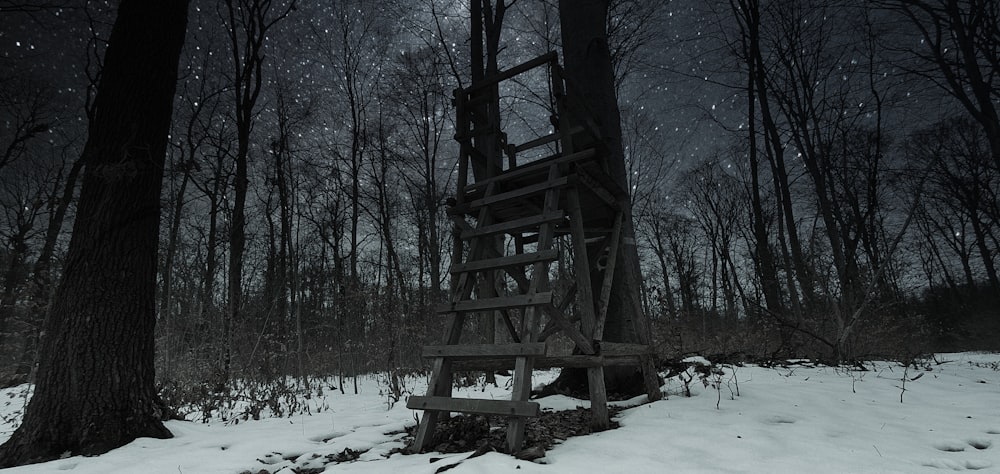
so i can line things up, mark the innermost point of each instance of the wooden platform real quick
(521, 192)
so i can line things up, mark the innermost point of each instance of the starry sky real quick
(682, 93)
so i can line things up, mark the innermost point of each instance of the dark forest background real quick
(809, 178)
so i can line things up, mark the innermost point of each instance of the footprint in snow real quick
(976, 465)
(950, 446)
(995, 431)
(326, 437)
(779, 420)
(959, 446)
(980, 443)
(271, 458)
(954, 465)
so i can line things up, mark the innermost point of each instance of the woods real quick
(806, 179)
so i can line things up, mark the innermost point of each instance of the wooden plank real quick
(573, 361)
(604, 298)
(542, 140)
(489, 304)
(485, 351)
(592, 185)
(514, 225)
(586, 307)
(508, 261)
(571, 332)
(535, 167)
(475, 405)
(508, 196)
(552, 327)
(551, 56)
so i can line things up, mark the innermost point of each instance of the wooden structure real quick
(507, 223)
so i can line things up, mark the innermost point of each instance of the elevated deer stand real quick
(527, 207)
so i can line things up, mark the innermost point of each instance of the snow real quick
(797, 418)
(697, 360)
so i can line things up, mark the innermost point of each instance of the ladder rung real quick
(475, 405)
(487, 304)
(546, 139)
(514, 225)
(508, 261)
(486, 351)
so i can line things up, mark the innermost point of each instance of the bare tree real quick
(960, 54)
(959, 212)
(249, 24)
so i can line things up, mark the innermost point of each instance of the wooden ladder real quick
(533, 295)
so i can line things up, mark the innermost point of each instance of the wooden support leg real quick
(439, 386)
(599, 418)
(522, 391)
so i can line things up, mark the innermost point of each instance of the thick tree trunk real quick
(95, 388)
(590, 74)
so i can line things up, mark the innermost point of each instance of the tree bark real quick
(95, 388)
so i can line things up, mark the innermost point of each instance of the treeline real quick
(845, 204)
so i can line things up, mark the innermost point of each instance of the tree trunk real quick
(166, 287)
(95, 388)
(589, 71)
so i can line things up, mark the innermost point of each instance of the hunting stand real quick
(502, 256)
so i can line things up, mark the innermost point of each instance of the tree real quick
(95, 388)
(248, 23)
(589, 70)
(747, 13)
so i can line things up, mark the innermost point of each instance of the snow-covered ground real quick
(783, 420)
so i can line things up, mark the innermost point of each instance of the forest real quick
(811, 179)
